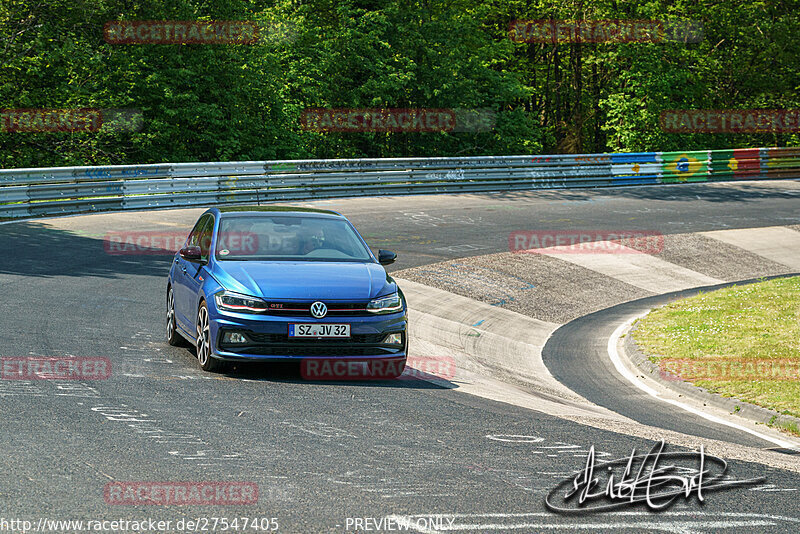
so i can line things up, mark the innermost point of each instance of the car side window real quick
(194, 235)
(206, 233)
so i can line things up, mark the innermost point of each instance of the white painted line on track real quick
(613, 354)
(515, 438)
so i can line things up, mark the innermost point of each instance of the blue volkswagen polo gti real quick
(280, 283)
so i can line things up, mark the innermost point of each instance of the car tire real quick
(405, 362)
(203, 343)
(173, 337)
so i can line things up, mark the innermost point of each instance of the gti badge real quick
(319, 310)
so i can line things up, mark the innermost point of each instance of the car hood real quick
(305, 280)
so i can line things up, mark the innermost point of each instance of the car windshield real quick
(282, 237)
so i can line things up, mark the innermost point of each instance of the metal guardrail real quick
(66, 190)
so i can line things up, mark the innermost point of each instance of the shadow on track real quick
(688, 192)
(35, 249)
(290, 373)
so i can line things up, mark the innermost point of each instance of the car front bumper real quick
(268, 341)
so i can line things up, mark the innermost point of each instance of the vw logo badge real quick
(319, 310)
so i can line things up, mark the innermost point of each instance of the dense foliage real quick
(244, 102)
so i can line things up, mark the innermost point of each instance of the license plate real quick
(319, 330)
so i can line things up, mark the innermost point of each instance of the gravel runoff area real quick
(716, 259)
(535, 285)
(554, 290)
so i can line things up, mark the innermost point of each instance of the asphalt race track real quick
(582, 345)
(325, 454)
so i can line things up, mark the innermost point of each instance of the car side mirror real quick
(386, 257)
(192, 254)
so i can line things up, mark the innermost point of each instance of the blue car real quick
(275, 284)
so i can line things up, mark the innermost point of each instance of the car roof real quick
(283, 210)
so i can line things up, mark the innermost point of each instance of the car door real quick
(195, 272)
(184, 283)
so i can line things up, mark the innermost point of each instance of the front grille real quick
(284, 338)
(293, 349)
(304, 309)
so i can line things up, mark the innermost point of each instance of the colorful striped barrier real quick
(65, 190)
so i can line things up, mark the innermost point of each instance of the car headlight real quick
(388, 304)
(236, 302)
